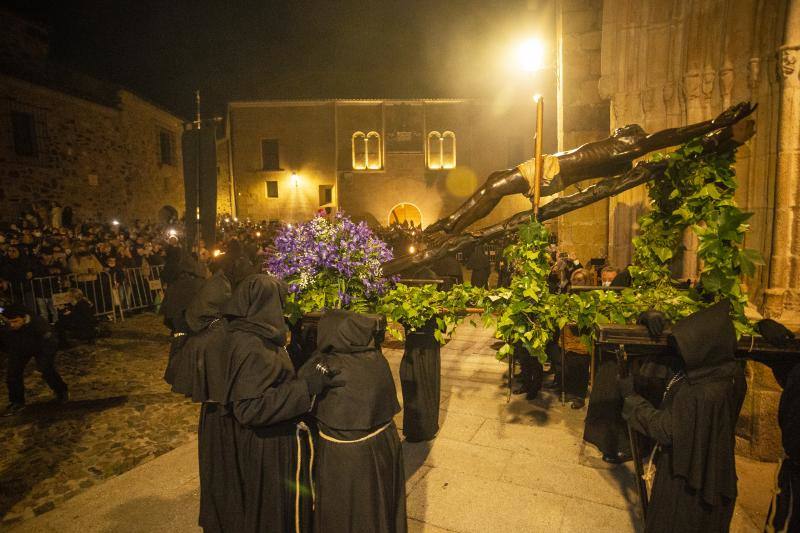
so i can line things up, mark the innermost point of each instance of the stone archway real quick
(167, 214)
(403, 212)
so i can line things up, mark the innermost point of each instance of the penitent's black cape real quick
(695, 484)
(191, 355)
(359, 475)
(248, 440)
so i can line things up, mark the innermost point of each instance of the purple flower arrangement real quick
(330, 264)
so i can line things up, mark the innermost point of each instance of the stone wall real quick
(670, 63)
(583, 233)
(103, 161)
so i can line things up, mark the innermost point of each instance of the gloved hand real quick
(654, 320)
(625, 386)
(775, 333)
(321, 378)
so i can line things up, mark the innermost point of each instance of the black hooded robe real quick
(695, 482)
(784, 511)
(420, 381)
(199, 313)
(253, 452)
(359, 475)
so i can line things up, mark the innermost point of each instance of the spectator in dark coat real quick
(25, 337)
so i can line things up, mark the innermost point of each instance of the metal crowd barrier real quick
(139, 288)
(126, 290)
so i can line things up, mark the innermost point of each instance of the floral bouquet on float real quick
(330, 265)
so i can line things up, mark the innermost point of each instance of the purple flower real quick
(319, 253)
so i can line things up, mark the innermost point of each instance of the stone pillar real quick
(783, 295)
(583, 233)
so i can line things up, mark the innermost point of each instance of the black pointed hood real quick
(705, 339)
(341, 331)
(256, 306)
(207, 305)
(351, 344)
(705, 408)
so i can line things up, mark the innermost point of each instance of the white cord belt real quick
(302, 427)
(362, 439)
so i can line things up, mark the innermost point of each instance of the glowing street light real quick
(295, 179)
(531, 55)
(115, 222)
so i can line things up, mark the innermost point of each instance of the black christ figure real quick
(611, 156)
(611, 159)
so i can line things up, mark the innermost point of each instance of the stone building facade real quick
(69, 138)
(367, 157)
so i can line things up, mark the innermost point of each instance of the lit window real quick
(367, 153)
(441, 150)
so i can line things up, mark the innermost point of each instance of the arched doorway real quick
(405, 212)
(167, 214)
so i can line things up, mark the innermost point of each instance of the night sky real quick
(245, 49)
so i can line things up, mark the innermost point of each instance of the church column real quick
(783, 295)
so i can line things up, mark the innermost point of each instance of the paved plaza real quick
(495, 466)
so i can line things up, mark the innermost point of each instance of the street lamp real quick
(295, 179)
(531, 55)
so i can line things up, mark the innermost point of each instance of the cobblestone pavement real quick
(121, 413)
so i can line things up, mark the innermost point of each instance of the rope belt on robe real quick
(301, 427)
(362, 439)
(550, 167)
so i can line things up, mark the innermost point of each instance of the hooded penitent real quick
(202, 369)
(703, 441)
(184, 277)
(252, 462)
(351, 342)
(360, 479)
(695, 483)
(190, 354)
(207, 304)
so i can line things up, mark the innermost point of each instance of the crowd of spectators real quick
(62, 268)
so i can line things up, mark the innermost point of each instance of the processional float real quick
(610, 159)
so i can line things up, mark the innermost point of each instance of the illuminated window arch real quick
(367, 152)
(441, 150)
(403, 212)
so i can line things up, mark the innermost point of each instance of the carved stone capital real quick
(787, 61)
(726, 76)
(691, 84)
(707, 85)
(754, 73)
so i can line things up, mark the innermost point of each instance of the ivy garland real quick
(696, 193)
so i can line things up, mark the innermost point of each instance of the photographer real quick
(25, 337)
